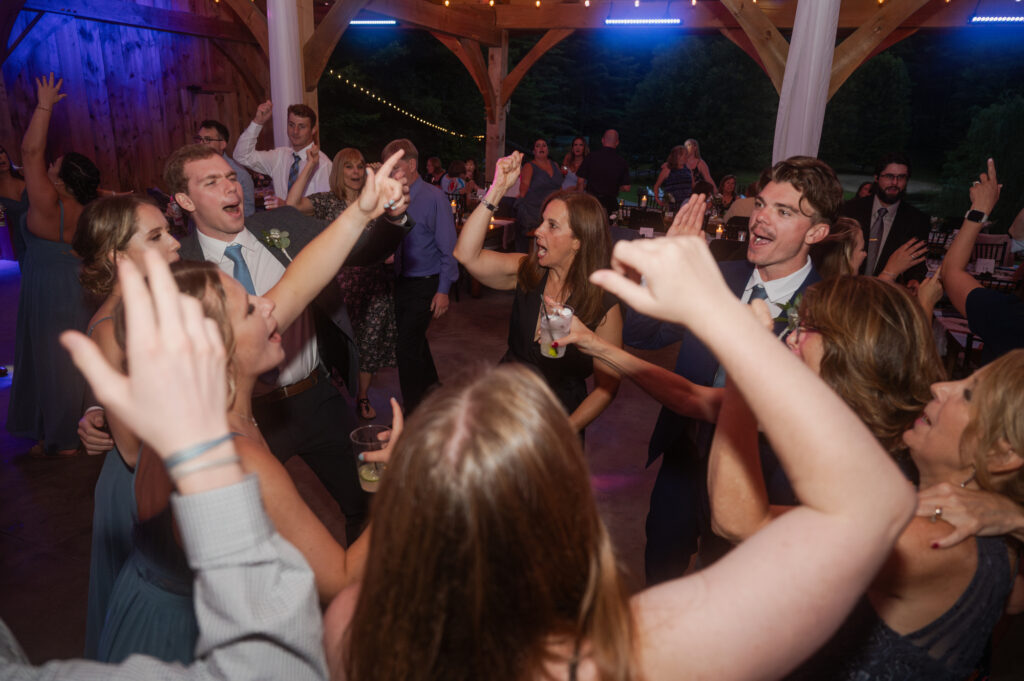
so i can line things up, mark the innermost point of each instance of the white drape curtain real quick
(805, 85)
(285, 63)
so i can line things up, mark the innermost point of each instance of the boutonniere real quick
(275, 238)
(790, 314)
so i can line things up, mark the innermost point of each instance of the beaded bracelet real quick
(189, 453)
(197, 466)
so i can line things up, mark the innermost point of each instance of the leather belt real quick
(291, 390)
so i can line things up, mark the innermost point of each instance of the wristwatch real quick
(975, 216)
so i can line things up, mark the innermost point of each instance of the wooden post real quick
(497, 69)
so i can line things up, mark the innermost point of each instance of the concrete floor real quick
(46, 506)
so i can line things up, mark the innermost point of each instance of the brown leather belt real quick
(285, 391)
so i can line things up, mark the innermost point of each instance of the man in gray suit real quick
(298, 409)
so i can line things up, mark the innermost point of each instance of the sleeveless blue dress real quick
(678, 184)
(47, 391)
(150, 610)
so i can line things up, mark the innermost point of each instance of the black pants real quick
(416, 371)
(674, 522)
(315, 425)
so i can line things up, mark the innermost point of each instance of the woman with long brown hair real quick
(927, 614)
(490, 560)
(572, 243)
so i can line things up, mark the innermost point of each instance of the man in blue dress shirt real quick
(425, 270)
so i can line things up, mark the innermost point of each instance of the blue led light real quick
(372, 22)
(997, 20)
(639, 22)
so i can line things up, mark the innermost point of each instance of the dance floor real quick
(46, 506)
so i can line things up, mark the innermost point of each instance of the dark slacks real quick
(416, 371)
(674, 521)
(315, 425)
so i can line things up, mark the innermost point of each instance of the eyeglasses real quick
(199, 139)
(799, 331)
(889, 177)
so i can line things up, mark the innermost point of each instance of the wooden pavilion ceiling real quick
(477, 20)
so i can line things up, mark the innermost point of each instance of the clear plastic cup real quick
(555, 323)
(369, 438)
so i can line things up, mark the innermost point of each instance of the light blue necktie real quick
(756, 293)
(241, 273)
(293, 172)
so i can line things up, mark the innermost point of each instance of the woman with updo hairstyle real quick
(572, 242)
(47, 391)
(929, 613)
(111, 230)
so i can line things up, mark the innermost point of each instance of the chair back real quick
(993, 246)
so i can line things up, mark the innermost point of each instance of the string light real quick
(404, 112)
(586, 3)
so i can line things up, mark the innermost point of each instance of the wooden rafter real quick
(250, 15)
(144, 17)
(856, 48)
(766, 39)
(547, 41)
(741, 40)
(8, 16)
(472, 57)
(461, 21)
(317, 50)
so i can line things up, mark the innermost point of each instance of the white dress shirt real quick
(299, 340)
(278, 162)
(779, 290)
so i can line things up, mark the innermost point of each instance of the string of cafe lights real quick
(404, 112)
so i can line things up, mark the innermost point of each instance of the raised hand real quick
(683, 282)
(175, 393)
(48, 92)
(313, 155)
(383, 192)
(506, 171)
(985, 191)
(689, 220)
(263, 112)
(906, 256)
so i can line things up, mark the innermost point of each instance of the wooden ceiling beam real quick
(8, 16)
(547, 41)
(472, 57)
(254, 20)
(460, 21)
(856, 48)
(766, 39)
(318, 49)
(145, 17)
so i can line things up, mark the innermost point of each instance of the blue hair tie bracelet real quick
(188, 453)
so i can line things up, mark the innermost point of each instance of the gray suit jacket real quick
(335, 337)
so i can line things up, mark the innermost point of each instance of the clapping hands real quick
(689, 220)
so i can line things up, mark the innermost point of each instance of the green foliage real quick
(869, 115)
(997, 132)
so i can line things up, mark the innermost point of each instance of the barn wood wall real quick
(134, 95)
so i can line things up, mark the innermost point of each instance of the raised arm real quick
(799, 572)
(669, 388)
(43, 218)
(296, 195)
(490, 268)
(955, 279)
(245, 148)
(321, 259)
